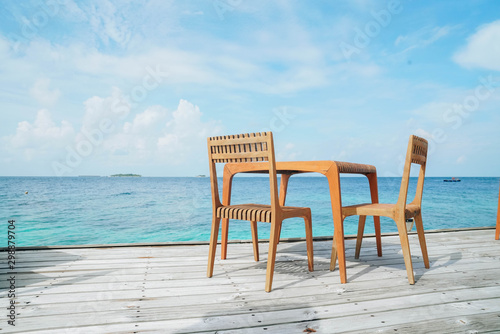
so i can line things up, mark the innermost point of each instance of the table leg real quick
(227, 181)
(497, 233)
(283, 188)
(372, 179)
(338, 246)
(282, 199)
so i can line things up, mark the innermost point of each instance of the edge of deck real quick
(198, 243)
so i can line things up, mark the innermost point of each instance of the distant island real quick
(126, 175)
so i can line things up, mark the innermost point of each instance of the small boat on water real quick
(452, 180)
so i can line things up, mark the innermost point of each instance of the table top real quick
(295, 167)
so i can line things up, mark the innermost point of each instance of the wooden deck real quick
(164, 289)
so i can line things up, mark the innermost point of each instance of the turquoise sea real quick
(107, 210)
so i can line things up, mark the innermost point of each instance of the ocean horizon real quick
(90, 210)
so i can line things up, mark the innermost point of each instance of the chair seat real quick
(257, 212)
(379, 209)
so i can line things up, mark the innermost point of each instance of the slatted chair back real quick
(416, 154)
(249, 147)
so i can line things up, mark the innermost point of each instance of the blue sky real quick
(103, 87)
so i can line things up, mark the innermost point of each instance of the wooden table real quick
(332, 171)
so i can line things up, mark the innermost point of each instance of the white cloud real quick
(173, 65)
(41, 135)
(72, 12)
(98, 109)
(138, 138)
(4, 48)
(155, 134)
(434, 111)
(108, 24)
(400, 39)
(43, 94)
(482, 49)
(422, 37)
(263, 63)
(190, 13)
(187, 118)
(144, 121)
(186, 133)
(424, 134)
(357, 69)
(438, 33)
(288, 153)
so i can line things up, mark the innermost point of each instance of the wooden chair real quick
(252, 147)
(401, 211)
(497, 232)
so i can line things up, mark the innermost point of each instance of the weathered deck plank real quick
(164, 289)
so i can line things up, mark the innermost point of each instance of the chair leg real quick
(278, 234)
(213, 245)
(224, 238)
(333, 258)
(359, 240)
(309, 243)
(497, 230)
(421, 238)
(405, 246)
(271, 255)
(255, 240)
(378, 235)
